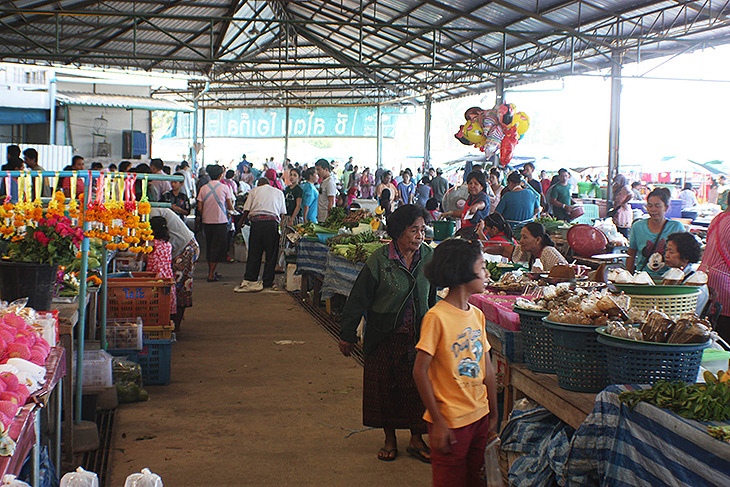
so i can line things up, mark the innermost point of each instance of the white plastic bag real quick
(11, 481)
(80, 478)
(143, 479)
(492, 472)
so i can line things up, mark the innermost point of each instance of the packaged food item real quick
(143, 479)
(80, 478)
(699, 278)
(673, 277)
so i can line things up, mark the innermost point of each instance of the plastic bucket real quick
(443, 229)
(28, 280)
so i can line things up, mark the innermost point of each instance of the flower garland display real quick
(114, 216)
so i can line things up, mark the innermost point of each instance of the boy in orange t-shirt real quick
(453, 370)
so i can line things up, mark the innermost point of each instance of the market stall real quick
(561, 344)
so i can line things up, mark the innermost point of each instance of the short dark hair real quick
(184, 164)
(635, 184)
(142, 168)
(76, 158)
(263, 182)
(687, 186)
(124, 166)
(563, 170)
(308, 173)
(230, 173)
(159, 228)
(530, 165)
(687, 245)
(514, 178)
(296, 170)
(538, 231)
(166, 169)
(96, 165)
(323, 164)
(214, 171)
(13, 151)
(479, 177)
(31, 153)
(112, 167)
(661, 193)
(403, 218)
(452, 263)
(432, 204)
(157, 163)
(497, 221)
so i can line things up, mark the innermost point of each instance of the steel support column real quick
(613, 132)
(194, 152)
(286, 135)
(499, 91)
(52, 115)
(379, 145)
(427, 134)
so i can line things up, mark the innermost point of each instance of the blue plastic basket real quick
(154, 358)
(591, 214)
(537, 341)
(634, 362)
(580, 361)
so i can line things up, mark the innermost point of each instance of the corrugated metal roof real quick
(120, 101)
(364, 52)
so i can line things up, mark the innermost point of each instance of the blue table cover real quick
(339, 276)
(616, 447)
(311, 257)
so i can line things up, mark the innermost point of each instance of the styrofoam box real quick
(97, 368)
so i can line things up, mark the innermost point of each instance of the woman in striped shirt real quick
(716, 263)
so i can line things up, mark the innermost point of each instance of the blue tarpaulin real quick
(22, 116)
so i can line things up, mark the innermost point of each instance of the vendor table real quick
(25, 428)
(337, 274)
(647, 446)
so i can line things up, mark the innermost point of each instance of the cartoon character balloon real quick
(500, 128)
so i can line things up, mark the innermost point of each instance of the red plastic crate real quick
(146, 298)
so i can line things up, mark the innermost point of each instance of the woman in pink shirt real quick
(215, 200)
(716, 263)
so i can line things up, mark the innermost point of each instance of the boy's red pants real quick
(463, 466)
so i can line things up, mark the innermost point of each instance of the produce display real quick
(359, 252)
(592, 309)
(552, 297)
(356, 217)
(673, 277)
(335, 218)
(702, 402)
(23, 354)
(350, 239)
(497, 269)
(516, 282)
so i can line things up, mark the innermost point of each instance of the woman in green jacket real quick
(393, 294)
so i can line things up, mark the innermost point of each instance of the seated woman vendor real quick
(682, 255)
(495, 230)
(534, 244)
(476, 207)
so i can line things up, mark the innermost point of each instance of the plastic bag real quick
(144, 479)
(11, 481)
(128, 381)
(80, 478)
(492, 472)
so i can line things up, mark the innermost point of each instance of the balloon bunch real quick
(500, 128)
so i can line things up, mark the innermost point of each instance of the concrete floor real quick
(242, 410)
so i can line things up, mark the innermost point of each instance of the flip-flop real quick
(215, 279)
(418, 454)
(385, 455)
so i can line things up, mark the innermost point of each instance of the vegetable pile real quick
(359, 252)
(701, 402)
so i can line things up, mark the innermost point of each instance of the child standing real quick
(453, 370)
(160, 259)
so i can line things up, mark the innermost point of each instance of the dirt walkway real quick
(242, 410)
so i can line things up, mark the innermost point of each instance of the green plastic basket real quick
(537, 341)
(639, 362)
(580, 361)
(659, 290)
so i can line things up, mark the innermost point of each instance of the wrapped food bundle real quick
(591, 309)
(657, 327)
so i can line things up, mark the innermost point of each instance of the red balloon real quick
(509, 142)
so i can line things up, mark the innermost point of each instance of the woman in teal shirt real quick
(648, 238)
(309, 195)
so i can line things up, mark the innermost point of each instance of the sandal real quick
(215, 279)
(418, 453)
(387, 455)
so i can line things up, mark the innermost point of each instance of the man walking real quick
(264, 209)
(157, 188)
(440, 185)
(560, 198)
